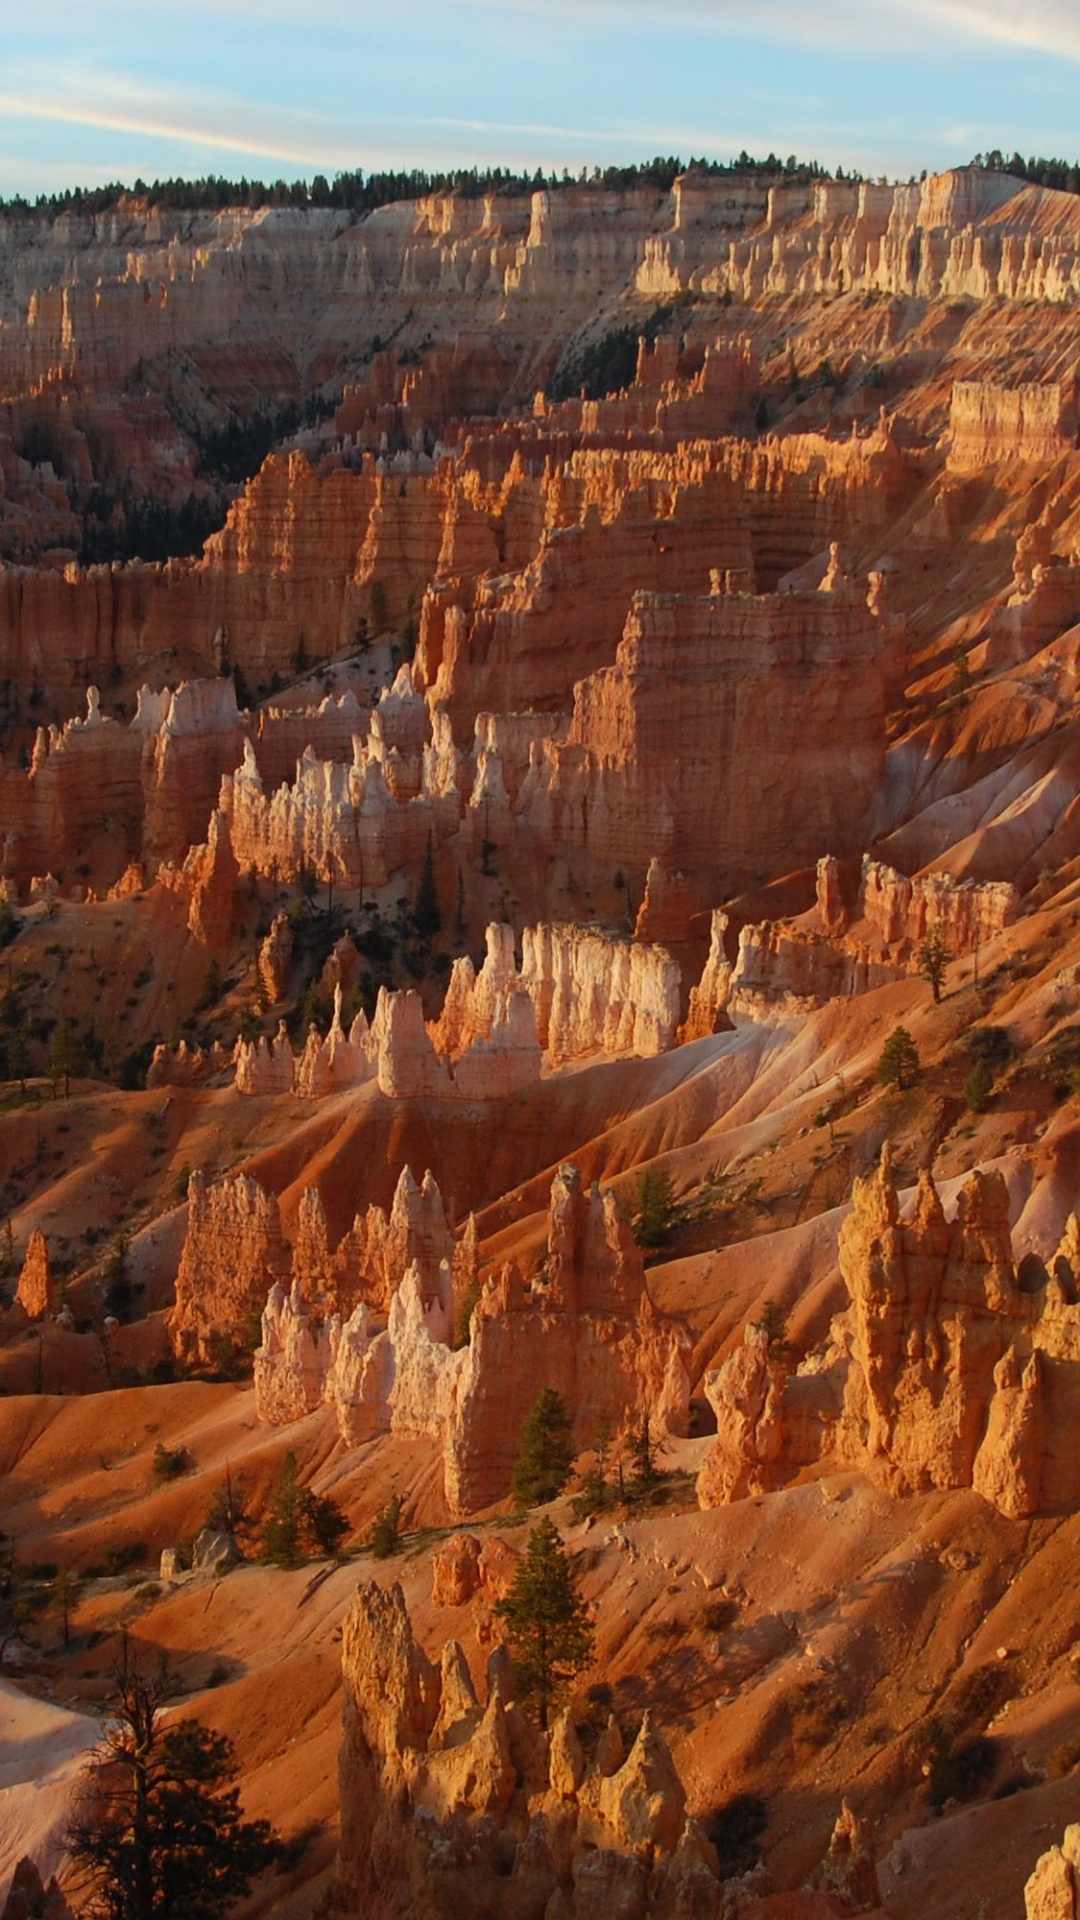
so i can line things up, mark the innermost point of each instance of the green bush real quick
(978, 1087)
(170, 1463)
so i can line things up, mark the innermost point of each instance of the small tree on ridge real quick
(547, 1621)
(899, 1062)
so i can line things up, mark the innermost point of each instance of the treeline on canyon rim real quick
(358, 192)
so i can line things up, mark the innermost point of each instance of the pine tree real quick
(545, 1452)
(158, 1833)
(384, 1539)
(596, 1491)
(547, 1621)
(643, 1453)
(324, 1523)
(16, 1608)
(67, 1055)
(933, 958)
(426, 916)
(282, 1528)
(899, 1062)
(64, 1599)
(655, 1208)
(978, 1087)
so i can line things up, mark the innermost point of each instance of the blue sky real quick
(270, 87)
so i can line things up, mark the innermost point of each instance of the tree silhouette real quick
(426, 916)
(64, 1599)
(157, 1832)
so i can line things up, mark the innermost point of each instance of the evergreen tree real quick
(933, 958)
(899, 1062)
(228, 1512)
(596, 1491)
(426, 916)
(16, 1606)
(545, 1452)
(978, 1087)
(324, 1523)
(158, 1833)
(298, 1520)
(643, 1453)
(655, 1214)
(64, 1599)
(384, 1539)
(283, 1526)
(547, 1621)
(67, 1055)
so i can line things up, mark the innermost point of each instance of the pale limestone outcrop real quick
(449, 1808)
(593, 994)
(841, 947)
(964, 914)
(324, 1336)
(35, 1293)
(337, 1061)
(492, 1065)
(184, 1066)
(590, 993)
(707, 1011)
(357, 819)
(156, 780)
(1043, 603)
(989, 423)
(1052, 1891)
(292, 1363)
(849, 1869)
(265, 1067)
(208, 883)
(233, 1253)
(944, 1371)
(488, 1047)
(588, 1329)
(1054, 1886)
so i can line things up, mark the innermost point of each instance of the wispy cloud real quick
(121, 103)
(1048, 26)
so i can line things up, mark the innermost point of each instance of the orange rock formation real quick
(944, 1372)
(589, 1330)
(35, 1293)
(449, 1804)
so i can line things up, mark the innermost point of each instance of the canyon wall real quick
(728, 676)
(989, 423)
